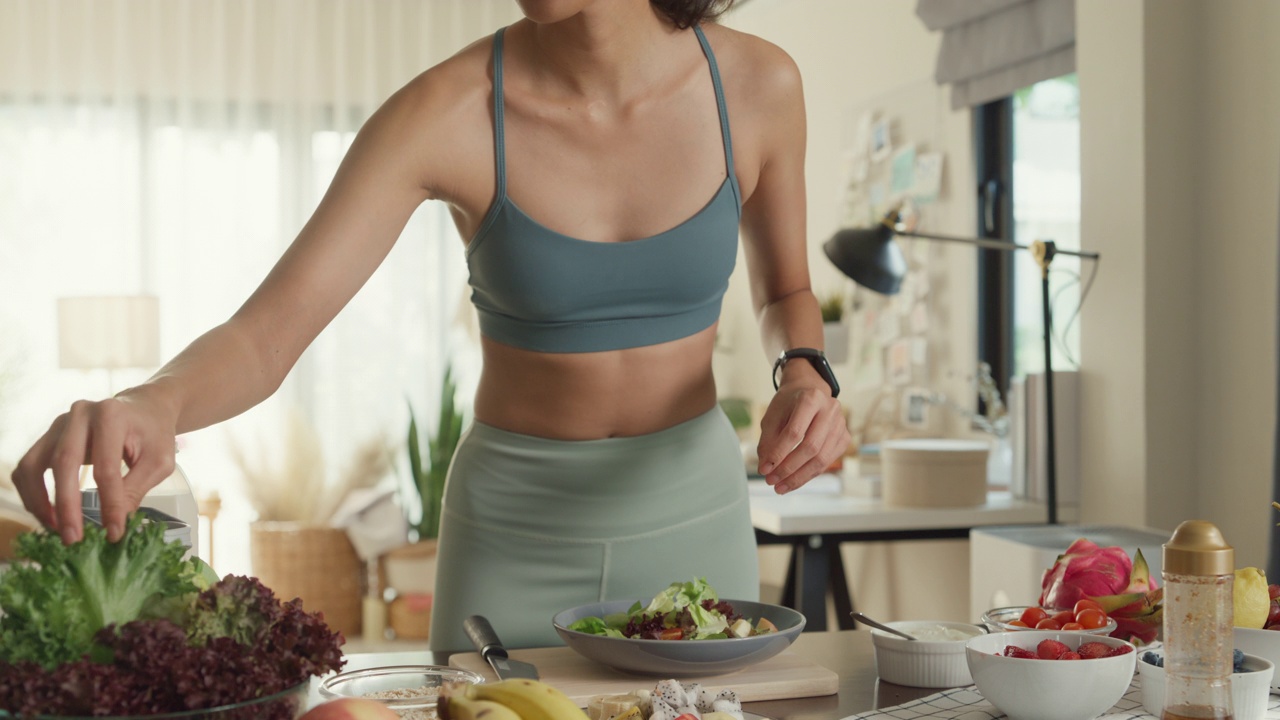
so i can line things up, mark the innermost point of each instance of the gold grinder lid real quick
(1198, 548)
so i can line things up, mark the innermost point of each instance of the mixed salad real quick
(684, 611)
(132, 628)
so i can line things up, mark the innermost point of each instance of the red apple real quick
(1273, 590)
(350, 709)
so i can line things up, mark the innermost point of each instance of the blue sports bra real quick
(540, 290)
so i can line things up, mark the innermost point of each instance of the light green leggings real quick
(533, 526)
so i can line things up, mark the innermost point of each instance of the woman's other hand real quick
(126, 431)
(802, 434)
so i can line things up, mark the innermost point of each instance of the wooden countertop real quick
(848, 653)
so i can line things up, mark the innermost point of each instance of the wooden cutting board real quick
(785, 675)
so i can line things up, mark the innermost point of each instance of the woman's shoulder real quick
(758, 67)
(448, 100)
(456, 90)
(466, 72)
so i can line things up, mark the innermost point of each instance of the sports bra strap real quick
(724, 113)
(499, 139)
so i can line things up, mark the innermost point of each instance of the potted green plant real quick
(428, 478)
(410, 571)
(835, 332)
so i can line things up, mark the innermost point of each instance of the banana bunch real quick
(509, 700)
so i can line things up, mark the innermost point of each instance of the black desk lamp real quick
(871, 258)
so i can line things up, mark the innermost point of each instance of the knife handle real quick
(483, 637)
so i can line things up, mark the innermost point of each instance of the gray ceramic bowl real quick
(681, 658)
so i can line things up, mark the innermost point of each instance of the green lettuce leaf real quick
(56, 597)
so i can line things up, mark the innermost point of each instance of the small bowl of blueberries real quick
(1250, 684)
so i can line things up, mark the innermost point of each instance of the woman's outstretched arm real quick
(239, 363)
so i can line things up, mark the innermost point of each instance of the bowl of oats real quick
(409, 690)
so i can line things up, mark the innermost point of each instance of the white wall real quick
(1180, 144)
(1239, 201)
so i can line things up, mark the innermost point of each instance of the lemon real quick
(1252, 602)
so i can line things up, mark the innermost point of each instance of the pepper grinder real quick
(1198, 569)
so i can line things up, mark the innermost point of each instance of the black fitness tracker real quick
(816, 358)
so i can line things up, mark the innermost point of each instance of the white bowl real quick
(1261, 643)
(1048, 689)
(1250, 690)
(923, 663)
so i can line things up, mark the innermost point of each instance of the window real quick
(194, 203)
(1046, 188)
(1028, 160)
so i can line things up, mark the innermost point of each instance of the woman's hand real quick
(802, 433)
(124, 430)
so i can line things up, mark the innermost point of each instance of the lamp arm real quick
(980, 242)
(994, 244)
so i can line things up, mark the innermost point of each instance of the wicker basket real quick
(410, 617)
(317, 564)
(410, 571)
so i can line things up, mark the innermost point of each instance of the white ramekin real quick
(923, 663)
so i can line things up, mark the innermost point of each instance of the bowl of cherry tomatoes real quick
(1087, 616)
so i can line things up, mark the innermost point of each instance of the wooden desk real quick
(849, 654)
(817, 518)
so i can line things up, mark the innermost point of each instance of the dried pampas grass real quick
(297, 489)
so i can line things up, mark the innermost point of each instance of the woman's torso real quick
(601, 172)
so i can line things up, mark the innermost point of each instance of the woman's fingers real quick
(107, 435)
(782, 430)
(69, 453)
(108, 432)
(151, 467)
(836, 444)
(805, 445)
(28, 478)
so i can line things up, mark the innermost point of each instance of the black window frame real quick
(993, 164)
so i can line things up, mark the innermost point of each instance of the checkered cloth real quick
(967, 703)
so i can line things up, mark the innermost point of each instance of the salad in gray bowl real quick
(686, 630)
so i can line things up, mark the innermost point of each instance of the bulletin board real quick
(900, 350)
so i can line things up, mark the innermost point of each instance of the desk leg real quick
(812, 563)
(789, 584)
(840, 594)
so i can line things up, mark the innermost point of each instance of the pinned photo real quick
(881, 142)
(915, 408)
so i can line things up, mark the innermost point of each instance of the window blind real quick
(991, 48)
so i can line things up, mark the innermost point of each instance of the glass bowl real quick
(998, 620)
(409, 690)
(284, 705)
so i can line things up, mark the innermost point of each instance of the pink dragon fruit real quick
(1124, 588)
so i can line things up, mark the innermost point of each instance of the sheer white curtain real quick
(174, 148)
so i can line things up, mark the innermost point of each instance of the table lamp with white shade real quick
(109, 333)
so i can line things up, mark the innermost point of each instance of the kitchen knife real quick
(490, 647)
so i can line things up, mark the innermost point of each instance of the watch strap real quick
(816, 358)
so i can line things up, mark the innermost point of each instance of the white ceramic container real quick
(1262, 643)
(930, 472)
(924, 663)
(1250, 690)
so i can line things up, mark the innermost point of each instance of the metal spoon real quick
(879, 625)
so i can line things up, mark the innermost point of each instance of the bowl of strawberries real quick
(1050, 674)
